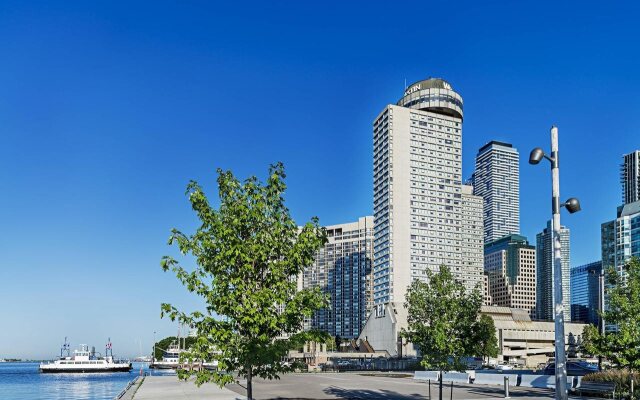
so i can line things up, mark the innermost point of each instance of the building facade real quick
(510, 268)
(585, 293)
(496, 179)
(343, 270)
(417, 180)
(621, 237)
(545, 298)
(472, 242)
(630, 177)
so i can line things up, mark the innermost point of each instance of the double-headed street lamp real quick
(572, 205)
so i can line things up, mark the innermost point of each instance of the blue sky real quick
(107, 109)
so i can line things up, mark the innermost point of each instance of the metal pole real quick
(429, 389)
(601, 307)
(561, 367)
(506, 387)
(451, 392)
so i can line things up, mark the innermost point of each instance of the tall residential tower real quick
(418, 196)
(497, 180)
(630, 177)
(342, 269)
(544, 271)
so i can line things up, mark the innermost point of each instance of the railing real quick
(124, 391)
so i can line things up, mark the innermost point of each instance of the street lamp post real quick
(572, 205)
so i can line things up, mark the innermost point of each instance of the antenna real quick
(405, 83)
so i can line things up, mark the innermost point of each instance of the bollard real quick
(506, 387)
(429, 389)
(631, 386)
(451, 393)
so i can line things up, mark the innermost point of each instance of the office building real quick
(630, 177)
(545, 298)
(585, 292)
(342, 269)
(417, 173)
(510, 268)
(497, 180)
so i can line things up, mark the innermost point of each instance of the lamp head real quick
(536, 155)
(572, 205)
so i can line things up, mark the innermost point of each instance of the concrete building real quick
(544, 273)
(630, 177)
(585, 293)
(510, 268)
(383, 328)
(526, 342)
(520, 340)
(471, 273)
(417, 180)
(497, 180)
(621, 237)
(342, 269)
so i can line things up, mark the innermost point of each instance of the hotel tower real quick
(422, 215)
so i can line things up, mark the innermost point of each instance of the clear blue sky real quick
(107, 109)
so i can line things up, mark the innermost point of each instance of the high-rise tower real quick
(418, 198)
(544, 273)
(497, 180)
(630, 177)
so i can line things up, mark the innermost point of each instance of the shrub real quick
(621, 377)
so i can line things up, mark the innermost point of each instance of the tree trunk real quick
(441, 376)
(249, 384)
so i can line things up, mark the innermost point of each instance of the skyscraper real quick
(510, 267)
(585, 292)
(417, 180)
(630, 177)
(497, 180)
(544, 271)
(621, 237)
(342, 269)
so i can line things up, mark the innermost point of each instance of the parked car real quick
(504, 367)
(574, 368)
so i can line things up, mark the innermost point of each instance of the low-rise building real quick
(527, 342)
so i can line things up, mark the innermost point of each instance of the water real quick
(23, 381)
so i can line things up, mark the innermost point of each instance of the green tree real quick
(248, 253)
(443, 321)
(486, 339)
(622, 345)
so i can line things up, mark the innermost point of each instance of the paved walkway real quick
(169, 387)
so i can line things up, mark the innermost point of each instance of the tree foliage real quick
(443, 322)
(248, 253)
(485, 339)
(620, 346)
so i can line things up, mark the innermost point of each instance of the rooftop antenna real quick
(405, 83)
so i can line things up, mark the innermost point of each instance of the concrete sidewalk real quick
(169, 387)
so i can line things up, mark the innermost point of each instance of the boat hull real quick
(85, 370)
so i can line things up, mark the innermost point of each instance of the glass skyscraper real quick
(585, 291)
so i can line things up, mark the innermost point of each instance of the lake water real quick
(23, 381)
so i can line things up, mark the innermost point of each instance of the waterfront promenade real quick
(325, 386)
(169, 387)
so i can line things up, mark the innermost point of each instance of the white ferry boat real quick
(84, 360)
(171, 359)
